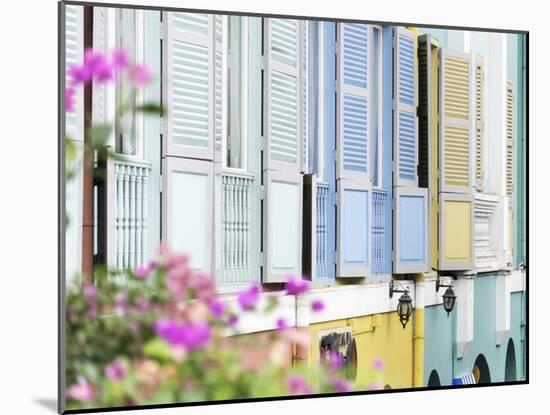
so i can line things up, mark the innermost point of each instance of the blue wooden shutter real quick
(282, 151)
(411, 221)
(189, 83)
(354, 183)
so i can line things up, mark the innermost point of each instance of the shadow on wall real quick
(510, 373)
(481, 370)
(434, 379)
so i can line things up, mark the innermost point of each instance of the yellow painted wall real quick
(378, 336)
(457, 219)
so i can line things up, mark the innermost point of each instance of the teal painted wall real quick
(516, 73)
(485, 329)
(151, 125)
(438, 348)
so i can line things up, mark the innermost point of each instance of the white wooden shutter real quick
(354, 182)
(74, 54)
(282, 152)
(189, 83)
(455, 122)
(479, 123)
(220, 82)
(405, 121)
(509, 140)
(74, 129)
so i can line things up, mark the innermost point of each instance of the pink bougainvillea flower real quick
(90, 293)
(317, 306)
(120, 301)
(297, 385)
(378, 364)
(281, 324)
(81, 391)
(141, 272)
(217, 308)
(93, 60)
(232, 320)
(177, 280)
(340, 385)
(249, 297)
(202, 286)
(103, 71)
(152, 265)
(119, 59)
(336, 361)
(190, 336)
(143, 304)
(116, 370)
(375, 387)
(69, 99)
(295, 286)
(79, 74)
(139, 75)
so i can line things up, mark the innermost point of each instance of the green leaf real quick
(158, 349)
(99, 134)
(150, 108)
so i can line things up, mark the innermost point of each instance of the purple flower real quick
(340, 385)
(120, 301)
(103, 71)
(298, 385)
(116, 370)
(177, 280)
(295, 286)
(141, 272)
(119, 59)
(378, 364)
(81, 391)
(317, 306)
(217, 308)
(250, 297)
(153, 264)
(190, 336)
(281, 324)
(69, 99)
(232, 320)
(90, 293)
(202, 287)
(139, 75)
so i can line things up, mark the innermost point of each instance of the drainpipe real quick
(418, 332)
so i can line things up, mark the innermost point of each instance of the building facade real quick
(353, 154)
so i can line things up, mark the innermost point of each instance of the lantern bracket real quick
(396, 287)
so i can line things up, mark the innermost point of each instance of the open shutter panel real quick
(74, 130)
(509, 139)
(456, 231)
(354, 183)
(405, 122)
(220, 23)
(479, 128)
(455, 122)
(283, 153)
(189, 85)
(410, 238)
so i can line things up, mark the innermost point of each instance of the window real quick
(376, 106)
(236, 69)
(127, 126)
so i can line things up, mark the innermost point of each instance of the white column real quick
(464, 288)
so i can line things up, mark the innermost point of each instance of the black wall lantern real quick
(404, 307)
(449, 296)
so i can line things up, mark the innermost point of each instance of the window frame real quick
(139, 60)
(226, 84)
(376, 107)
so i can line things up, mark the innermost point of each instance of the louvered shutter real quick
(74, 130)
(354, 183)
(455, 122)
(411, 222)
(188, 85)
(405, 122)
(220, 82)
(509, 140)
(479, 123)
(283, 151)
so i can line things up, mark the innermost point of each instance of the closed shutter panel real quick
(74, 130)
(189, 75)
(354, 183)
(410, 237)
(455, 122)
(479, 120)
(189, 85)
(282, 129)
(456, 231)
